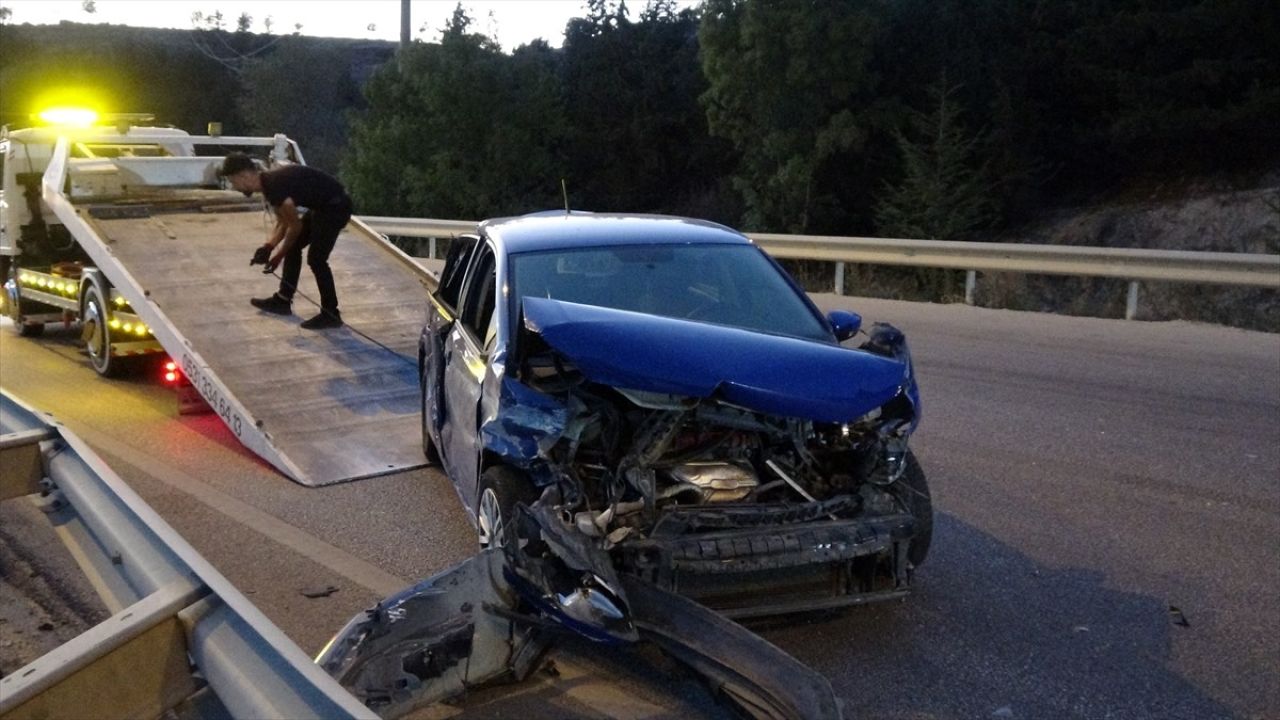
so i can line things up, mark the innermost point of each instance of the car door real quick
(441, 317)
(465, 366)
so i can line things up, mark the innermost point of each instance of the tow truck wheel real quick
(913, 492)
(501, 488)
(25, 329)
(96, 332)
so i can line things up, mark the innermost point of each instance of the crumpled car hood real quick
(771, 374)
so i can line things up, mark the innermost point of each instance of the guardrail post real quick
(431, 248)
(1131, 308)
(970, 281)
(839, 278)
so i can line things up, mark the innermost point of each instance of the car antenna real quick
(564, 190)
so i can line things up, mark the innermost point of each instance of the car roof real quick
(557, 230)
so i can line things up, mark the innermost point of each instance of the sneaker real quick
(326, 319)
(274, 304)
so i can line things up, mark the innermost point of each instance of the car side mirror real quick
(844, 324)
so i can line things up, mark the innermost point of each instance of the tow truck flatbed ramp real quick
(330, 405)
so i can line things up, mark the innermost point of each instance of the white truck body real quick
(136, 240)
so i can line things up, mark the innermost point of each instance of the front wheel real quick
(501, 488)
(428, 447)
(14, 305)
(912, 490)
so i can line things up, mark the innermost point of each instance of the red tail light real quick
(171, 373)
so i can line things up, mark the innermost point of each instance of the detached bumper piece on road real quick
(495, 616)
(728, 558)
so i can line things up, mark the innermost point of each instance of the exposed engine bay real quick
(704, 497)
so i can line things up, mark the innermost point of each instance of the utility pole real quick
(404, 34)
(404, 23)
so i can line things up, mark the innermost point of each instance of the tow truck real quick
(123, 230)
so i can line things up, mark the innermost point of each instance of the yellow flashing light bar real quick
(69, 117)
(115, 324)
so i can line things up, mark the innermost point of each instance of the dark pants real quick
(320, 230)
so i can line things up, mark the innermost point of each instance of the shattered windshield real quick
(732, 285)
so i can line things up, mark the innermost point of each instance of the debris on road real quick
(496, 616)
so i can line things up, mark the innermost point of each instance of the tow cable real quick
(357, 331)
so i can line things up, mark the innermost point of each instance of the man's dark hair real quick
(236, 162)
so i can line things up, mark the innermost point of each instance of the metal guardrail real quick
(418, 227)
(1132, 264)
(172, 610)
(1127, 263)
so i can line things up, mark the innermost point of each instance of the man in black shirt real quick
(288, 188)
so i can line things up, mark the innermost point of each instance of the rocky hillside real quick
(1244, 221)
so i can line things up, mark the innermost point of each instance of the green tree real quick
(790, 88)
(459, 129)
(1181, 84)
(301, 88)
(1080, 97)
(638, 138)
(944, 192)
(112, 67)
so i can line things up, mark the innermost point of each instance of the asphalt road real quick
(1107, 546)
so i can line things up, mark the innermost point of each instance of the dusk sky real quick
(513, 22)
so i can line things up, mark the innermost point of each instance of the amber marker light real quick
(69, 117)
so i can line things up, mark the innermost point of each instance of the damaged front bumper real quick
(496, 615)
(434, 640)
(754, 560)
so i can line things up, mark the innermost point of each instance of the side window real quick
(455, 268)
(481, 294)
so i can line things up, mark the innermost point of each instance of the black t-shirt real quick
(310, 188)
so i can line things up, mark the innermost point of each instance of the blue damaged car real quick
(654, 397)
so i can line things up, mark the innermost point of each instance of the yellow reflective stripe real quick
(475, 365)
(441, 308)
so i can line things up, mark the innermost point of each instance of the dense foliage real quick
(459, 129)
(251, 83)
(942, 118)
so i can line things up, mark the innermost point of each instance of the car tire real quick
(429, 450)
(912, 490)
(501, 488)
